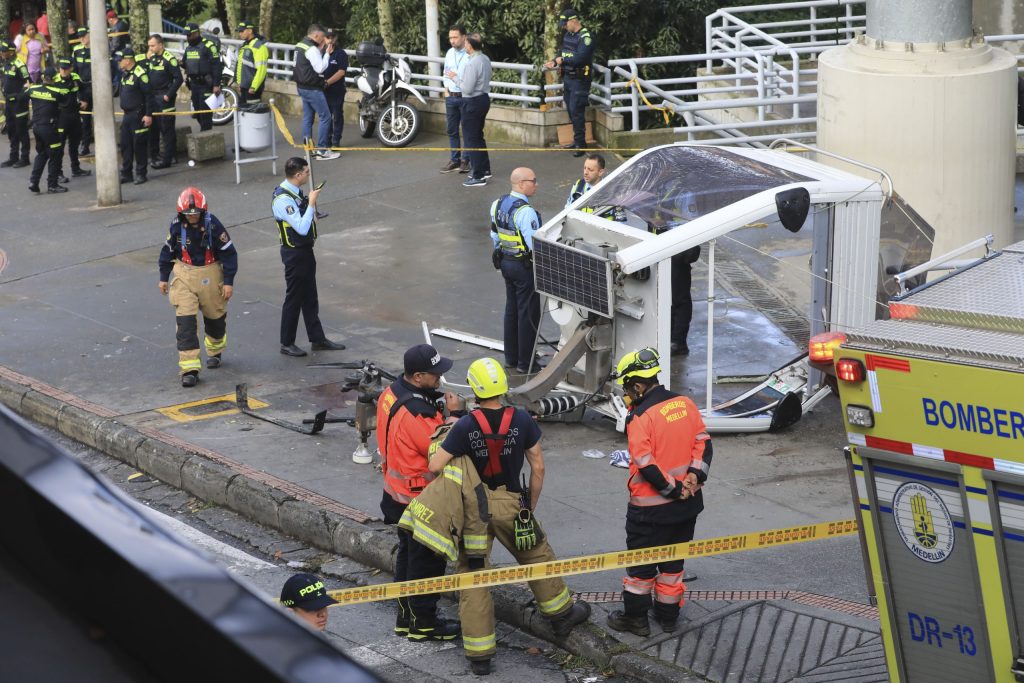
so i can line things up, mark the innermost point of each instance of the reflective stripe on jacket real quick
(510, 239)
(285, 232)
(251, 70)
(665, 430)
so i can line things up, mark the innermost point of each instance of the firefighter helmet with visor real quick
(191, 202)
(644, 363)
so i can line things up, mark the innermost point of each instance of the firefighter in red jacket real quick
(669, 459)
(408, 413)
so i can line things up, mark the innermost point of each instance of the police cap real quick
(567, 14)
(64, 63)
(307, 592)
(242, 25)
(126, 53)
(191, 27)
(81, 31)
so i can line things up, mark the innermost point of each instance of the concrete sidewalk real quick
(87, 345)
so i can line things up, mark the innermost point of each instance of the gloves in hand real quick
(525, 530)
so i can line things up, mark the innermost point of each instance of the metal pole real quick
(433, 42)
(108, 185)
(711, 322)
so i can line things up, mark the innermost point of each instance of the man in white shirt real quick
(454, 66)
(312, 55)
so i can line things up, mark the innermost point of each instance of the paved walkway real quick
(82, 319)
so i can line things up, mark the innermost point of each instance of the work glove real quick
(525, 530)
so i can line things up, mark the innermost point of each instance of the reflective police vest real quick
(46, 101)
(15, 76)
(70, 85)
(665, 430)
(612, 213)
(200, 60)
(405, 466)
(304, 75)
(134, 90)
(574, 44)
(82, 57)
(510, 239)
(285, 232)
(164, 77)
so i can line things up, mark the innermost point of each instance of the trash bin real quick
(254, 127)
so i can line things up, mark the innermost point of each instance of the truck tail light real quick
(822, 347)
(850, 370)
(860, 416)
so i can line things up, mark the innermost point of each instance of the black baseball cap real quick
(82, 31)
(242, 25)
(64, 63)
(306, 591)
(567, 14)
(425, 358)
(191, 27)
(126, 53)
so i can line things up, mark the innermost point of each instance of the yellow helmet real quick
(487, 378)
(642, 363)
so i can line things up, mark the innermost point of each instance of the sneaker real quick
(450, 166)
(63, 179)
(480, 667)
(574, 616)
(474, 182)
(189, 379)
(327, 155)
(464, 166)
(55, 189)
(441, 629)
(80, 173)
(8, 163)
(213, 362)
(487, 176)
(636, 625)
(141, 180)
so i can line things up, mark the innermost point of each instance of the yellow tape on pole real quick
(588, 564)
(663, 109)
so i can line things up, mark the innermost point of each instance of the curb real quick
(371, 543)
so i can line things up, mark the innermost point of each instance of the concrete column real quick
(919, 21)
(156, 17)
(433, 42)
(108, 184)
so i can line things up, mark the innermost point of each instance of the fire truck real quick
(933, 404)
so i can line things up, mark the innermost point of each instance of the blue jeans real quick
(474, 115)
(314, 102)
(453, 113)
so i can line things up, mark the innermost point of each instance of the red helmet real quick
(191, 201)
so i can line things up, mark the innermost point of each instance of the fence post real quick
(156, 17)
(634, 93)
(524, 80)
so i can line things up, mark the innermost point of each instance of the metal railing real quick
(765, 69)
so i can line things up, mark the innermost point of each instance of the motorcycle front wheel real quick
(367, 126)
(230, 100)
(398, 126)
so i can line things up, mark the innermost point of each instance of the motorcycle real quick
(227, 89)
(385, 108)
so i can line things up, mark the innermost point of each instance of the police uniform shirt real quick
(81, 57)
(466, 438)
(164, 76)
(286, 209)
(15, 76)
(525, 219)
(70, 85)
(133, 90)
(46, 102)
(196, 242)
(577, 53)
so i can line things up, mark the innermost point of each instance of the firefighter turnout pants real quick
(476, 607)
(194, 289)
(49, 150)
(665, 580)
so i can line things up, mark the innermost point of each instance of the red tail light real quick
(850, 370)
(822, 347)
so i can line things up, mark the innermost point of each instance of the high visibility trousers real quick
(49, 150)
(665, 579)
(194, 289)
(476, 608)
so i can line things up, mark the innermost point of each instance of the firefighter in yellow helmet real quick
(498, 440)
(669, 459)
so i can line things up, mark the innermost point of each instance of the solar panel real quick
(573, 276)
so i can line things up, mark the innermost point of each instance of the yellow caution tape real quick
(588, 564)
(663, 109)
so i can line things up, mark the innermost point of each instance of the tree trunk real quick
(266, 17)
(233, 11)
(138, 25)
(552, 8)
(57, 14)
(387, 24)
(5, 19)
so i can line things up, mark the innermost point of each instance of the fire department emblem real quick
(923, 521)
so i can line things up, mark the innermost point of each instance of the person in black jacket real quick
(136, 103)
(81, 56)
(201, 61)
(15, 77)
(69, 123)
(46, 100)
(164, 81)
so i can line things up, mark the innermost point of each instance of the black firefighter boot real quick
(633, 617)
(432, 628)
(563, 624)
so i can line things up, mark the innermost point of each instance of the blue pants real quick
(314, 103)
(300, 296)
(522, 313)
(576, 94)
(453, 112)
(336, 103)
(474, 115)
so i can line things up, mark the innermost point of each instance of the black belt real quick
(454, 94)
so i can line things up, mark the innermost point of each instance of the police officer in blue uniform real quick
(513, 222)
(201, 61)
(69, 122)
(15, 77)
(136, 103)
(46, 99)
(164, 81)
(81, 58)
(295, 215)
(576, 63)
